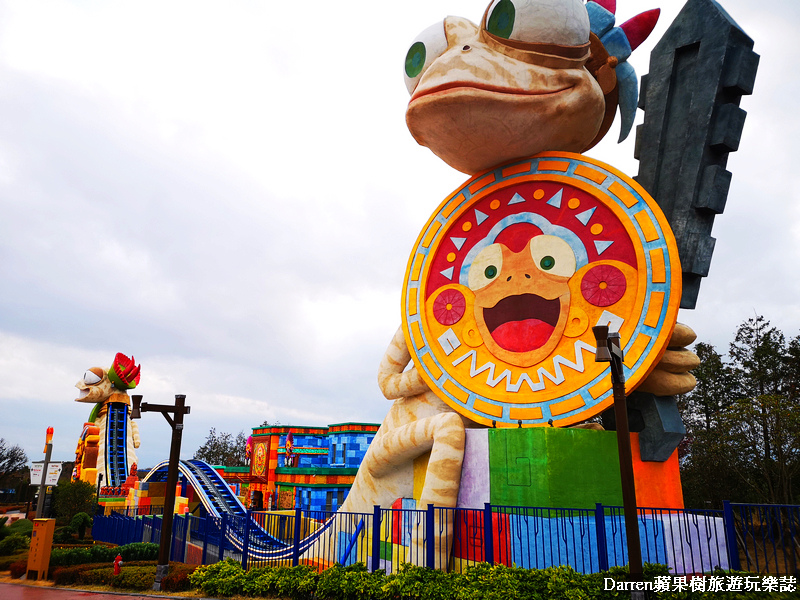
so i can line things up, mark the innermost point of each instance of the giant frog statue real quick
(535, 76)
(106, 451)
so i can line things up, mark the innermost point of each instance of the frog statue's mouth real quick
(522, 323)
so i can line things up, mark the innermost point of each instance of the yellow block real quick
(589, 173)
(565, 406)
(89, 475)
(648, 229)
(623, 194)
(525, 413)
(489, 409)
(659, 268)
(420, 468)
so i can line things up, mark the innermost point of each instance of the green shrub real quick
(80, 522)
(100, 576)
(64, 535)
(22, 526)
(14, 543)
(224, 578)
(135, 578)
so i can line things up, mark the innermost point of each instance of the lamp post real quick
(178, 409)
(48, 449)
(610, 350)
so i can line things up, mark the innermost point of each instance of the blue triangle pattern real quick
(601, 246)
(448, 273)
(585, 216)
(480, 217)
(517, 199)
(458, 242)
(556, 199)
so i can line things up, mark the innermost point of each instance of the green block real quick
(583, 468)
(517, 466)
(554, 467)
(386, 550)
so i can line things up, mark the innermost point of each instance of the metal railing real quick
(756, 538)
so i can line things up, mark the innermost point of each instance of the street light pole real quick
(178, 409)
(609, 349)
(48, 449)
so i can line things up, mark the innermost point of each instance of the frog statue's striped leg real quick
(418, 423)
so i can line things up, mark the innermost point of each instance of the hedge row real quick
(480, 582)
(60, 557)
(137, 576)
(7, 561)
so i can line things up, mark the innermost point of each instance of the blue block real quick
(540, 542)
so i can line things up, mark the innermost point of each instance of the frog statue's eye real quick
(91, 376)
(563, 22)
(501, 18)
(486, 267)
(427, 47)
(553, 256)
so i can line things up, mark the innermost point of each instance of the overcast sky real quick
(228, 192)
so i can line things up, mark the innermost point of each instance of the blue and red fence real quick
(756, 538)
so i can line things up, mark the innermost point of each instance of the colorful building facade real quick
(314, 471)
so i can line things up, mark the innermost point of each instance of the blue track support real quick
(246, 535)
(298, 523)
(430, 538)
(488, 534)
(376, 537)
(730, 534)
(205, 539)
(600, 527)
(223, 527)
(353, 539)
(186, 533)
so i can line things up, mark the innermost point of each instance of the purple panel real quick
(474, 491)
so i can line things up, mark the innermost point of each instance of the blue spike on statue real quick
(617, 44)
(600, 19)
(628, 97)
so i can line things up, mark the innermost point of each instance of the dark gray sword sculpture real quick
(699, 71)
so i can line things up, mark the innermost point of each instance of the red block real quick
(397, 522)
(468, 537)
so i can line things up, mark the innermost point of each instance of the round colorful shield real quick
(510, 274)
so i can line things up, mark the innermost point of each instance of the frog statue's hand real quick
(393, 381)
(135, 431)
(671, 376)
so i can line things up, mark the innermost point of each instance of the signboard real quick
(36, 473)
(53, 473)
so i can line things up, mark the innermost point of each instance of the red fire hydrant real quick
(118, 565)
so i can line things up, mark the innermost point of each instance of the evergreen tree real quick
(742, 420)
(223, 449)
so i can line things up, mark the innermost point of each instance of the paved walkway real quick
(17, 591)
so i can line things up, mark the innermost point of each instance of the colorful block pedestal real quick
(560, 468)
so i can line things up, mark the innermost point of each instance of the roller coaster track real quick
(218, 500)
